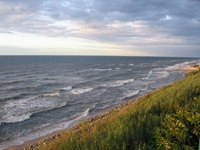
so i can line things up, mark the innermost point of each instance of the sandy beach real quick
(190, 68)
(91, 118)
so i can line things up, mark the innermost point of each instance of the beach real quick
(191, 67)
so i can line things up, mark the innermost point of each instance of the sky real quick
(100, 27)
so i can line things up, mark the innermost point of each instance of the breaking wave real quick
(85, 113)
(117, 83)
(144, 89)
(148, 76)
(162, 74)
(180, 65)
(130, 94)
(81, 90)
(23, 109)
(157, 73)
(52, 95)
(19, 118)
(69, 88)
(109, 69)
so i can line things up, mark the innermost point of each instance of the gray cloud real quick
(128, 22)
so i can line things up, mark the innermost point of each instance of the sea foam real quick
(117, 83)
(131, 93)
(19, 118)
(109, 69)
(69, 88)
(81, 90)
(52, 94)
(23, 109)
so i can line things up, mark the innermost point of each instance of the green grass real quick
(132, 126)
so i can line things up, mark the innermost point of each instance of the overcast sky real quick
(100, 27)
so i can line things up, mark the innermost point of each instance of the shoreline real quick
(91, 118)
(73, 125)
(188, 68)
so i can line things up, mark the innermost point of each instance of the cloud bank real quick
(154, 26)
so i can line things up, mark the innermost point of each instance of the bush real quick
(180, 130)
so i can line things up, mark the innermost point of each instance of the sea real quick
(42, 94)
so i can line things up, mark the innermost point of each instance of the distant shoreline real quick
(190, 68)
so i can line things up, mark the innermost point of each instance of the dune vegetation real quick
(168, 118)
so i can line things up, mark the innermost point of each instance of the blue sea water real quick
(40, 94)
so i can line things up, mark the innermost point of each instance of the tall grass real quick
(131, 126)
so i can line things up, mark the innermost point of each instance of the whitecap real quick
(162, 74)
(124, 81)
(86, 112)
(52, 95)
(148, 76)
(22, 109)
(156, 73)
(109, 69)
(180, 65)
(130, 94)
(117, 83)
(18, 118)
(81, 90)
(144, 89)
(69, 88)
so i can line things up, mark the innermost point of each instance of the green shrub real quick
(180, 130)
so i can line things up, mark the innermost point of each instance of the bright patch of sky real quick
(167, 17)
